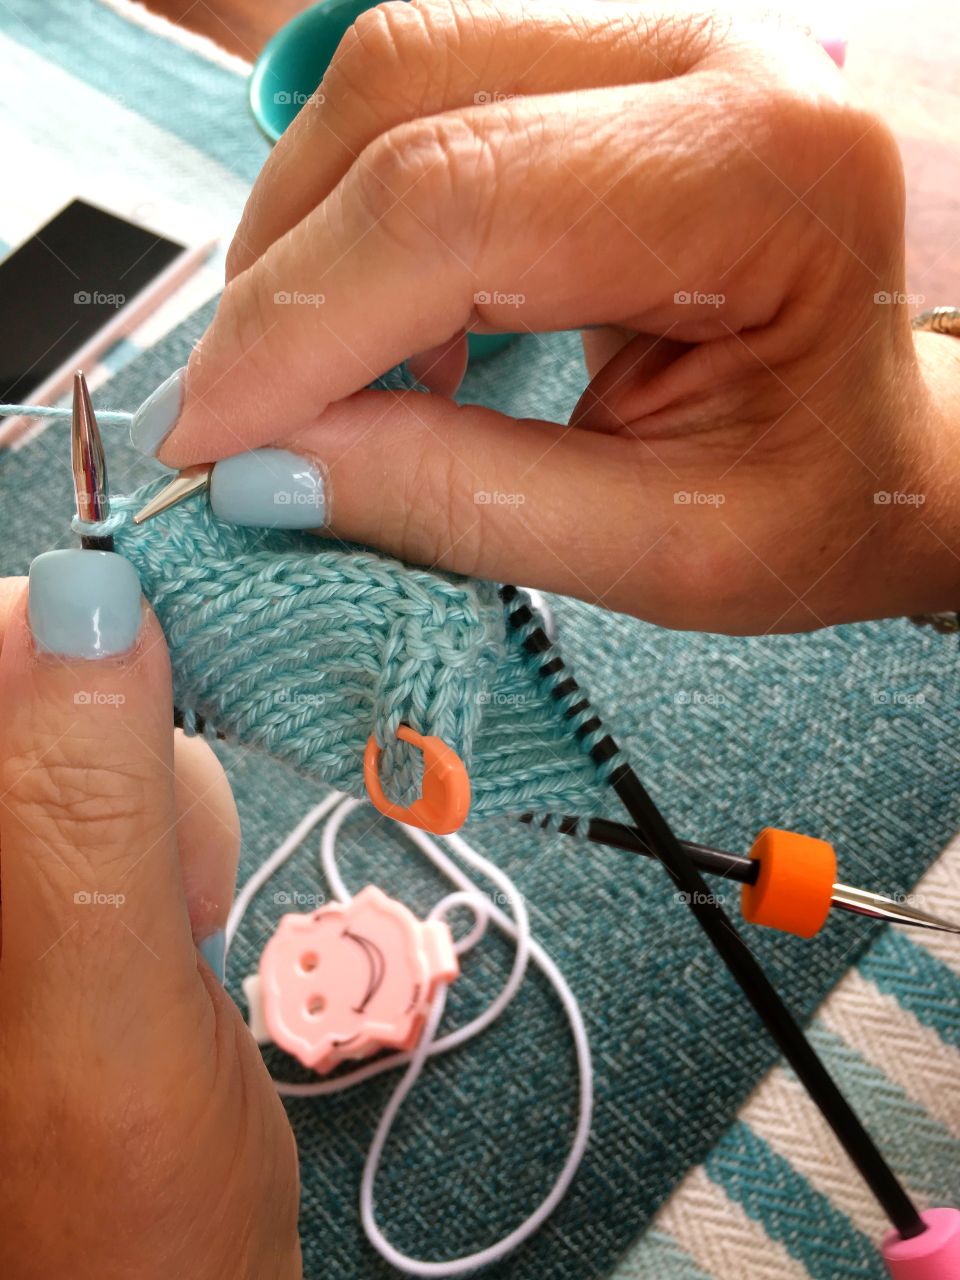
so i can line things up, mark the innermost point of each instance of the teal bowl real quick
(292, 63)
(289, 70)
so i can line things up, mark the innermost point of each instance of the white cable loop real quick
(467, 894)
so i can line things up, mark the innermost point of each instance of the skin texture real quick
(701, 200)
(704, 201)
(136, 1115)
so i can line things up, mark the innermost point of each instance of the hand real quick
(139, 1131)
(707, 195)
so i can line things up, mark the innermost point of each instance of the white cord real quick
(276, 860)
(467, 895)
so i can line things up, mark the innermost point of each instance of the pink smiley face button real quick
(352, 978)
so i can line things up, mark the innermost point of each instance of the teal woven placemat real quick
(730, 734)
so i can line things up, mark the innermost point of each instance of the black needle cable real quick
(732, 866)
(736, 955)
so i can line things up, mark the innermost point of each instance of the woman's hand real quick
(760, 447)
(139, 1131)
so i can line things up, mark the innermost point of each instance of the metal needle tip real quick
(189, 481)
(864, 903)
(86, 456)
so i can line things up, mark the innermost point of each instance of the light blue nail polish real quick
(214, 951)
(84, 604)
(269, 488)
(154, 420)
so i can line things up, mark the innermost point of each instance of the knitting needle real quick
(189, 481)
(733, 866)
(89, 466)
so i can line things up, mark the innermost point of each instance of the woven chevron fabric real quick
(846, 734)
(776, 1198)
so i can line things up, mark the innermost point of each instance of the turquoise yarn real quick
(288, 645)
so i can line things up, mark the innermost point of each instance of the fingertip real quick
(155, 419)
(84, 604)
(441, 368)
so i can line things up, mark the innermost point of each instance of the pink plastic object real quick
(935, 1255)
(351, 979)
(836, 46)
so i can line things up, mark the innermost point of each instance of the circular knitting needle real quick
(716, 924)
(89, 467)
(734, 866)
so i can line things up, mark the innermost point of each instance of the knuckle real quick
(681, 40)
(378, 50)
(843, 152)
(437, 521)
(72, 804)
(238, 257)
(247, 312)
(424, 179)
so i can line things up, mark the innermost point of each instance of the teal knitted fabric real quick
(800, 731)
(287, 643)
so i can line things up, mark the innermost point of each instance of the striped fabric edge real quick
(192, 41)
(777, 1198)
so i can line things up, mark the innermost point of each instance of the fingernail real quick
(154, 420)
(84, 604)
(214, 951)
(269, 488)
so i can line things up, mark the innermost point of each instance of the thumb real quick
(94, 919)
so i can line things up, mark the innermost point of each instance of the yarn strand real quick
(108, 417)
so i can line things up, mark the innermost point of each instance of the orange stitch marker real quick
(445, 802)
